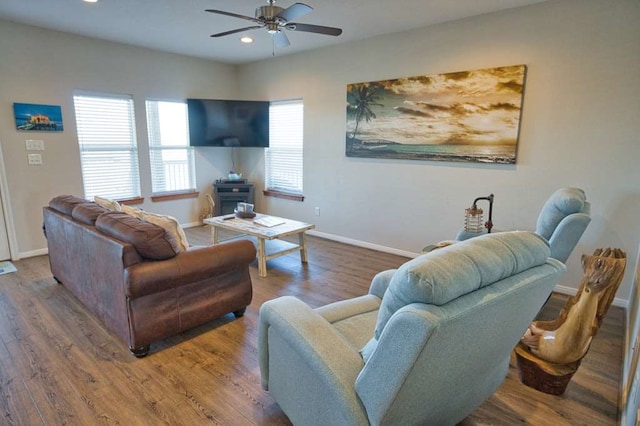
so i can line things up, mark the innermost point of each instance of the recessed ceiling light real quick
(246, 39)
(90, 1)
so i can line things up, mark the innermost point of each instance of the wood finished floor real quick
(58, 365)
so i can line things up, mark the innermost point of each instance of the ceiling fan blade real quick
(235, 15)
(294, 11)
(319, 29)
(239, 30)
(281, 39)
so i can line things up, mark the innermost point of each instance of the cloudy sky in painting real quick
(471, 108)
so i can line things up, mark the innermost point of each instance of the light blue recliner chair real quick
(562, 221)
(428, 344)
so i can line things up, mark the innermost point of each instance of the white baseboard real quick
(192, 224)
(32, 253)
(364, 244)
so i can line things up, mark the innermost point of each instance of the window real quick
(107, 141)
(283, 158)
(171, 157)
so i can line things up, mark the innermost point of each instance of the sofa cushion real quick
(66, 203)
(442, 275)
(562, 203)
(107, 203)
(175, 233)
(87, 213)
(148, 239)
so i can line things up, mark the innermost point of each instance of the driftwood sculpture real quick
(550, 352)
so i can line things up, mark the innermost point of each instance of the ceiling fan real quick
(275, 19)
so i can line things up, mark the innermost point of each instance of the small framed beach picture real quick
(469, 116)
(40, 118)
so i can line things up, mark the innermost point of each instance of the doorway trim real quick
(7, 211)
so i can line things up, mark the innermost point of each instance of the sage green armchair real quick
(428, 344)
(562, 220)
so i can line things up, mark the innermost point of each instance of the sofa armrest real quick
(299, 350)
(187, 267)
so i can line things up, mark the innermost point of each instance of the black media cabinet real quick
(227, 194)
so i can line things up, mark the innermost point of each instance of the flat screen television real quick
(228, 123)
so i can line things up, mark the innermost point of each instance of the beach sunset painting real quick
(471, 116)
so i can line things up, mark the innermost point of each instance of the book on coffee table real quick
(268, 221)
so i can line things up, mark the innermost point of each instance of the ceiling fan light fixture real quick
(273, 28)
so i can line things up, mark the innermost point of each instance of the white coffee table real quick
(287, 227)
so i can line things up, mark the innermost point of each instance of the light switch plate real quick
(34, 159)
(35, 145)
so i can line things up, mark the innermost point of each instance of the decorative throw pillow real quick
(148, 239)
(131, 211)
(175, 233)
(107, 203)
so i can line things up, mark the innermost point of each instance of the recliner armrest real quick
(567, 234)
(328, 359)
(380, 282)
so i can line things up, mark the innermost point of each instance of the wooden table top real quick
(249, 227)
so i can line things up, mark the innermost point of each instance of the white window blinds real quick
(171, 157)
(107, 141)
(283, 158)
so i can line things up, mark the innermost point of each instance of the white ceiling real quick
(184, 27)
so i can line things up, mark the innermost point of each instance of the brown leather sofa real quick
(127, 273)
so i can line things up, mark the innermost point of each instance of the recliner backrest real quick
(443, 275)
(562, 221)
(446, 332)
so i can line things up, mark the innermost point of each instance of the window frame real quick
(155, 147)
(89, 135)
(284, 191)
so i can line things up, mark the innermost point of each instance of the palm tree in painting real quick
(360, 99)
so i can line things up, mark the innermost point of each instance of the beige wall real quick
(40, 66)
(580, 127)
(580, 124)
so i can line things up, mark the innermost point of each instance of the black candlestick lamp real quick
(473, 221)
